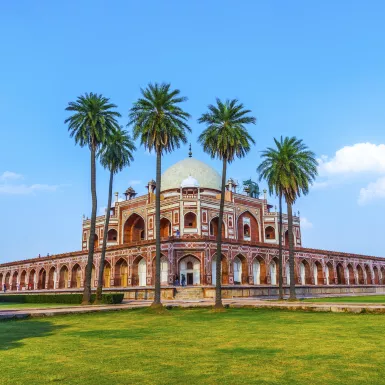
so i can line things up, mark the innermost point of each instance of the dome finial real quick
(189, 152)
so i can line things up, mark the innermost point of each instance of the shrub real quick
(76, 299)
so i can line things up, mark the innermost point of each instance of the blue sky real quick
(313, 69)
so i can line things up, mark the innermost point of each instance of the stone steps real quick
(186, 293)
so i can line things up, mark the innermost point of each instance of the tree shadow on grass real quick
(12, 333)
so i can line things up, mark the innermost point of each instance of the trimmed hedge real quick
(110, 298)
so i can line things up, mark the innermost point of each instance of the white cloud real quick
(305, 223)
(9, 175)
(374, 190)
(359, 158)
(22, 189)
(134, 182)
(11, 186)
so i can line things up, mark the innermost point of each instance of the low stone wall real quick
(198, 292)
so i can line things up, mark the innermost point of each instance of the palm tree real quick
(115, 155)
(225, 137)
(289, 170)
(160, 123)
(92, 123)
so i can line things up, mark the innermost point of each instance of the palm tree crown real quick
(226, 136)
(289, 169)
(116, 154)
(158, 120)
(93, 121)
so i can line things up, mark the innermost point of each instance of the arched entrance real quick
(107, 275)
(318, 276)
(42, 279)
(163, 270)
(368, 275)
(190, 221)
(340, 274)
(23, 276)
(134, 229)
(214, 227)
(139, 272)
(96, 242)
(8, 281)
(165, 228)
(305, 273)
(52, 277)
(112, 235)
(382, 270)
(190, 267)
(240, 269)
(76, 276)
(259, 270)
(14, 280)
(121, 273)
(32, 279)
(224, 270)
(329, 274)
(360, 273)
(376, 275)
(350, 275)
(274, 271)
(63, 277)
(247, 227)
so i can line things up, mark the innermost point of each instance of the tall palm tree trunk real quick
(292, 297)
(280, 264)
(104, 247)
(91, 242)
(218, 287)
(157, 302)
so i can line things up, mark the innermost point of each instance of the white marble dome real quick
(189, 182)
(202, 173)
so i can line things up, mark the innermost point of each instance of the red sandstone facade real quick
(189, 223)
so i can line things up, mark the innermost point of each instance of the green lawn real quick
(240, 346)
(358, 299)
(20, 306)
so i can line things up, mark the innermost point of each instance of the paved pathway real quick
(235, 303)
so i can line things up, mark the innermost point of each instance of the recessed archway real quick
(224, 270)
(15, 275)
(76, 276)
(139, 272)
(360, 274)
(214, 227)
(190, 268)
(190, 221)
(240, 269)
(248, 229)
(376, 275)
(305, 272)
(329, 274)
(350, 275)
(270, 233)
(23, 276)
(134, 229)
(112, 235)
(340, 274)
(274, 276)
(368, 275)
(42, 279)
(107, 274)
(8, 281)
(121, 273)
(52, 278)
(165, 228)
(32, 279)
(318, 276)
(96, 242)
(63, 277)
(259, 271)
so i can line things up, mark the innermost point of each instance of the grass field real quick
(240, 346)
(359, 299)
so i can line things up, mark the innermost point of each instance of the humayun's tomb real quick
(190, 195)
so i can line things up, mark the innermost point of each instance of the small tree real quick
(226, 138)
(160, 123)
(115, 155)
(92, 123)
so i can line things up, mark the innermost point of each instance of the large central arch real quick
(190, 268)
(134, 229)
